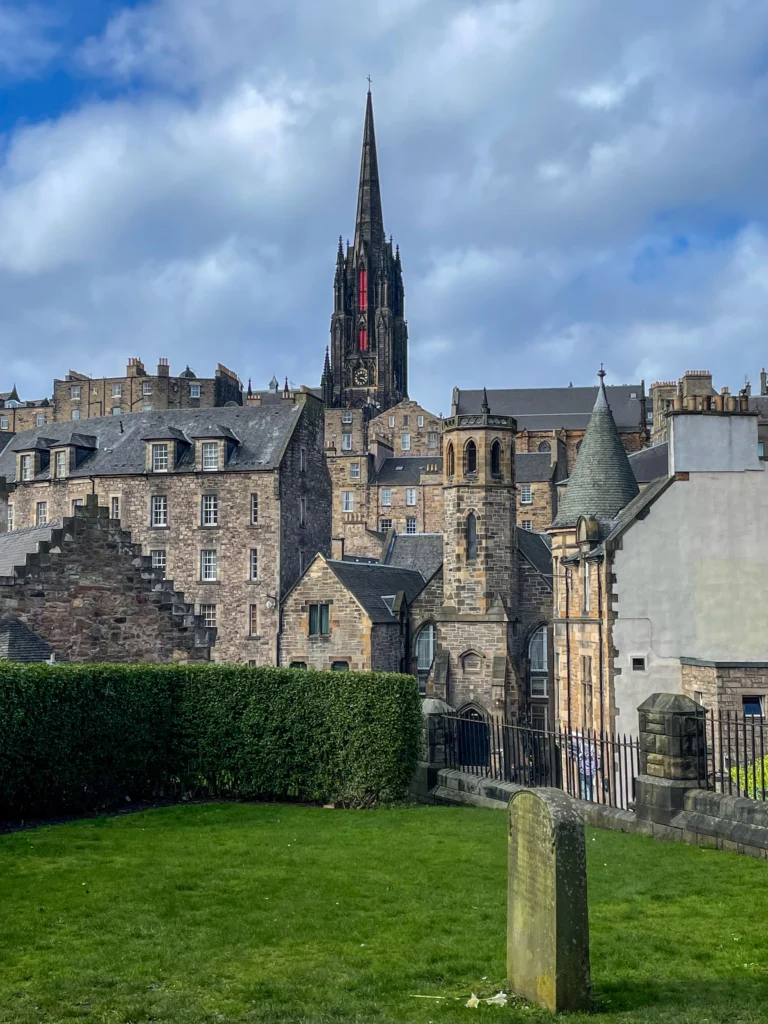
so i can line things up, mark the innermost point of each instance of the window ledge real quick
(209, 583)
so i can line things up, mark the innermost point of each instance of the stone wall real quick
(350, 637)
(721, 686)
(16, 420)
(245, 610)
(428, 510)
(92, 596)
(305, 497)
(406, 421)
(97, 395)
(540, 513)
(388, 646)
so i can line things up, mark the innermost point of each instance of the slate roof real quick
(551, 408)
(19, 643)
(406, 472)
(637, 506)
(650, 463)
(537, 549)
(263, 432)
(420, 551)
(5, 438)
(16, 545)
(370, 583)
(533, 467)
(602, 482)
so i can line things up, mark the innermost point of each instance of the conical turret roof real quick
(602, 482)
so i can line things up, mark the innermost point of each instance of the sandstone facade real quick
(87, 590)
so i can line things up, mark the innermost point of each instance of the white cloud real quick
(25, 43)
(538, 161)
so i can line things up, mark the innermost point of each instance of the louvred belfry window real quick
(362, 289)
(363, 339)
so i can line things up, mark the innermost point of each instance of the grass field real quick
(235, 912)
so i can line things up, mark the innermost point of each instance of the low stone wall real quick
(712, 820)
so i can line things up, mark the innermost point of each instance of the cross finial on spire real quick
(601, 372)
(369, 83)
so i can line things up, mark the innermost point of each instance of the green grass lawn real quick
(237, 912)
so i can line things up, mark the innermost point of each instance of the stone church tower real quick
(368, 362)
(480, 578)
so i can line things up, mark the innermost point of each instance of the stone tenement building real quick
(79, 589)
(664, 589)
(231, 503)
(16, 415)
(465, 608)
(80, 396)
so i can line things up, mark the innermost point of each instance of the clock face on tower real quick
(361, 377)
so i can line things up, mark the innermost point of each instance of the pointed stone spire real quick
(485, 409)
(250, 392)
(369, 225)
(602, 481)
(326, 381)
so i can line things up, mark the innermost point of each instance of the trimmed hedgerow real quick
(77, 737)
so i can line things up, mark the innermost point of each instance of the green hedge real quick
(76, 737)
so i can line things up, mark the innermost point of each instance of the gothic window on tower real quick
(470, 457)
(363, 339)
(471, 537)
(363, 290)
(451, 460)
(496, 459)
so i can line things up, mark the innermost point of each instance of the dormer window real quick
(26, 467)
(74, 392)
(60, 465)
(210, 456)
(146, 388)
(159, 458)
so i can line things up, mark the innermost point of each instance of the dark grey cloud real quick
(569, 184)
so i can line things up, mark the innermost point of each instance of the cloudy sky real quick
(570, 182)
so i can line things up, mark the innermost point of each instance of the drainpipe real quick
(568, 645)
(600, 643)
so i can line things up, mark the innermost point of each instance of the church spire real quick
(369, 225)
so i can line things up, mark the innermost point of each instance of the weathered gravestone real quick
(547, 924)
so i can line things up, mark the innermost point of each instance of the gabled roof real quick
(264, 431)
(19, 643)
(533, 467)
(536, 548)
(370, 584)
(420, 551)
(602, 482)
(16, 545)
(406, 472)
(637, 507)
(552, 408)
(650, 463)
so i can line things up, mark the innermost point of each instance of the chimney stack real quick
(163, 369)
(337, 549)
(763, 382)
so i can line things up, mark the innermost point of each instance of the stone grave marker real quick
(547, 923)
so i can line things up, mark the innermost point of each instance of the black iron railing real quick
(600, 767)
(735, 757)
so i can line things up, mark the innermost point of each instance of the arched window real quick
(470, 457)
(363, 339)
(578, 447)
(471, 663)
(537, 657)
(425, 653)
(451, 460)
(362, 289)
(545, 446)
(495, 459)
(471, 537)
